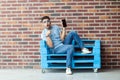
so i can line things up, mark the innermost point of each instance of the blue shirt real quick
(55, 36)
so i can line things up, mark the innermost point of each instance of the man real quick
(56, 39)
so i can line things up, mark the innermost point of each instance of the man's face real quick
(46, 23)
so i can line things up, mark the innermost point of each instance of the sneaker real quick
(85, 51)
(68, 71)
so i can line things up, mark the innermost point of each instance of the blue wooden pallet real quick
(51, 60)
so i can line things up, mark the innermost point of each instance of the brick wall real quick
(20, 28)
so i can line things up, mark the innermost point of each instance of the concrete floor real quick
(35, 74)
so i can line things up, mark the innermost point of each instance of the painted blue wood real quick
(80, 61)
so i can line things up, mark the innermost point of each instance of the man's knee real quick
(73, 32)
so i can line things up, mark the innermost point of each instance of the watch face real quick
(64, 23)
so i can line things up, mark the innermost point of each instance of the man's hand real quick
(48, 33)
(62, 35)
(63, 29)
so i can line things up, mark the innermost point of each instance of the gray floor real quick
(35, 74)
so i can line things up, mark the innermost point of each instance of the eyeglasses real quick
(47, 21)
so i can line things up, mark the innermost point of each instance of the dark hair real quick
(45, 17)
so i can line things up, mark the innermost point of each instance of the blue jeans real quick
(68, 48)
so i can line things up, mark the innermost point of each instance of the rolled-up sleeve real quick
(43, 37)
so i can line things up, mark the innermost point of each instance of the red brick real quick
(82, 32)
(3, 64)
(54, 7)
(44, 0)
(115, 45)
(27, 53)
(82, 3)
(115, 67)
(12, 56)
(12, 63)
(16, 4)
(17, 60)
(115, 17)
(95, 24)
(23, 50)
(33, 56)
(77, 0)
(111, 6)
(71, 10)
(12, 50)
(105, 31)
(22, 1)
(111, 27)
(88, 14)
(35, 0)
(71, 4)
(100, 21)
(105, 10)
(88, 7)
(115, 31)
(99, 14)
(93, 31)
(93, 3)
(89, 0)
(100, 35)
(94, 17)
(6, 53)
(111, 35)
(5, 4)
(60, 10)
(111, 20)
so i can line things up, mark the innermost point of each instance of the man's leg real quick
(66, 49)
(69, 50)
(73, 36)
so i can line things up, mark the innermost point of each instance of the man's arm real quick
(48, 39)
(62, 35)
